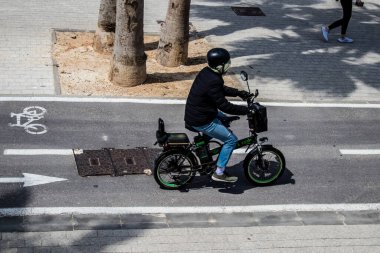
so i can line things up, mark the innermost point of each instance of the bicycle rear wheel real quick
(174, 169)
(266, 168)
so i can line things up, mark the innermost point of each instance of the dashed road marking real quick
(360, 151)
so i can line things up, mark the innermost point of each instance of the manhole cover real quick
(93, 162)
(129, 161)
(151, 154)
(115, 162)
(247, 11)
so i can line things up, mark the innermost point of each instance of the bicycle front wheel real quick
(174, 169)
(264, 168)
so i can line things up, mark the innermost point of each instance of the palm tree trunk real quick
(128, 65)
(105, 32)
(174, 38)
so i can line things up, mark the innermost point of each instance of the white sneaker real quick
(325, 33)
(345, 40)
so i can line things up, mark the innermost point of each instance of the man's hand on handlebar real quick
(244, 94)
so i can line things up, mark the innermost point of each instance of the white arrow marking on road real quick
(360, 151)
(31, 179)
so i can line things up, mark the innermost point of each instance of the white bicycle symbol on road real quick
(31, 114)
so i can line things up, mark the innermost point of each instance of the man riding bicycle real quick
(207, 103)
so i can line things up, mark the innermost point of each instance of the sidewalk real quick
(73, 230)
(283, 51)
(281, 239)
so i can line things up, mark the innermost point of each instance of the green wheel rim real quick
(271, 178)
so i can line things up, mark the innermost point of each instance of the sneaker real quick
(224, 178)
(345, 40)
(325, 33)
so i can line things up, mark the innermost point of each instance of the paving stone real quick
(139, 221)
(188, 220)
(11, 224)
(41, 250)
(278, 219)
(86, 222)
(361, 217)
(58, 250)
(47, 223)
(234, 220)
(321, 218)
(24, 250)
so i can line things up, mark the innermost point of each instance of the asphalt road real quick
(310, 138)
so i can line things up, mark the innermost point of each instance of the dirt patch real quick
(84, 72)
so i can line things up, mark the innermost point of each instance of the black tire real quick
(269, 170)
(174, 169)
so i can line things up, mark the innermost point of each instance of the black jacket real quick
(207, 95)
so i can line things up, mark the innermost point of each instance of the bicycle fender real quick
(161, 154)
(165, 152)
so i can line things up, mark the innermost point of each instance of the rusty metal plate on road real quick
(115, 162)
(93, 162)
(247, 11)
(151, 154)
(133, 161)
(129, 161)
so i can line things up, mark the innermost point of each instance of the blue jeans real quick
(217, 130)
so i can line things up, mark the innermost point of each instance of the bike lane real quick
(309, 137)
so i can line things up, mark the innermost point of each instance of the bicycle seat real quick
(177, 139)
(164, 138)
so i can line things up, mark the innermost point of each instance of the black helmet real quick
(218, 59)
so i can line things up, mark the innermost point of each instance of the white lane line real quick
(189, 209)
(324, 105)
(70, 151)
(178, 101)
(38, 152)
(95, 100)
(360, 151)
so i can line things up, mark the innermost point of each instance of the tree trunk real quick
(128, 65)
(174, 38)
(105, 32)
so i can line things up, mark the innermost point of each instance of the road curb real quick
(69, 221)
